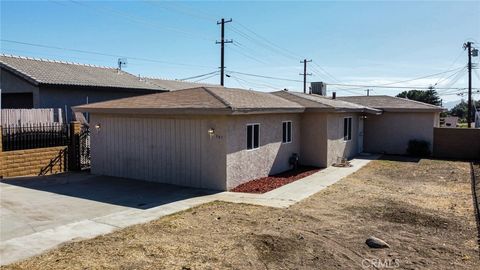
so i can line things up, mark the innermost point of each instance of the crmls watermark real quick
(377, 263)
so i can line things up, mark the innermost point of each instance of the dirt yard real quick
(423, 209)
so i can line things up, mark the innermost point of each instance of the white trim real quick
(291, 131)
(253, 139)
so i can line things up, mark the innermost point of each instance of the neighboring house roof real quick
(49, 72)
(173, 85)
(200, 100)
(313, 102)
(392, 104)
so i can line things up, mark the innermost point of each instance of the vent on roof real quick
(319, 88)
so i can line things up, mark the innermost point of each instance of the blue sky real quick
(368, 43)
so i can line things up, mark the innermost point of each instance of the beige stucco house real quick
(218, 138)
(401, 120)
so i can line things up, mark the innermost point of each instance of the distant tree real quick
(460, 110)
(429, 96)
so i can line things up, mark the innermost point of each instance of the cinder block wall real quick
(31, 161)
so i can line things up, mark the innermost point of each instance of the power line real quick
(393, 87)
(451, 65)
(246, 54)
(139, 20)
(263, 76)
(265, 85)
(99, 53)
(206, 78)
(198, 76)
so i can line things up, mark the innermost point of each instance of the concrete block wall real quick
(32, 161)
(48, 160)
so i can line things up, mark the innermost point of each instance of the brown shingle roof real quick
(173, 85)
(200, 100)
(39, 71)
(388, 103)
(320, 103)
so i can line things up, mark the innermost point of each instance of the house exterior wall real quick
(390, 132)
(174, 150)
(336, 145)
(314, 142)
(12, 84)
(271, 157)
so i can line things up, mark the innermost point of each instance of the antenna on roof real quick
(122, 62)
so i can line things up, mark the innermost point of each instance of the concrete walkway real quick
(25, 246)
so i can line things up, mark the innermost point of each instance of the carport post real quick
(74, 146)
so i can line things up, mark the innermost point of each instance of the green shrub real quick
(418, 148)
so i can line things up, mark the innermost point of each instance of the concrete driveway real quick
(34, 204)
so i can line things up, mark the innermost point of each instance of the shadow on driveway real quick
(112, 190)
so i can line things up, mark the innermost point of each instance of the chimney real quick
(334, 95)
(318, 88)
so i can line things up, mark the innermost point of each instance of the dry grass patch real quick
(422, 208)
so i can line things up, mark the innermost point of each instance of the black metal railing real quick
(30, 136)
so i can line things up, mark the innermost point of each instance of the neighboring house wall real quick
(390, 132)
(174, 150)
(17, 92)
(337, 146)
(271, 157)
(314, 143)
(53, 97)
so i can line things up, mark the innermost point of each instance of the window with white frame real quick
(347, 128)
(253, 136)
(287, 131)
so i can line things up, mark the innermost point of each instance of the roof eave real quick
(237, 111)
(430, 110)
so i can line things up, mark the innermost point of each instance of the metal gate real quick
(84, 147)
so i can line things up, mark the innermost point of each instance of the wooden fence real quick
(21, 117)
(456, 143)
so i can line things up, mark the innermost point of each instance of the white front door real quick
(360, 134)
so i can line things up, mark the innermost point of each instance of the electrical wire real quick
(139, 20)
(264, 85)
(391, 87)
(100, 53)
(201, 75)
(264, 76)
(451, 65)
(206, 78)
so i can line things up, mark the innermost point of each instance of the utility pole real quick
(468, 47)
(305, 61)
(368, 92)
(222, 48)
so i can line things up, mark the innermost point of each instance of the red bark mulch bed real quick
(265, 184)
